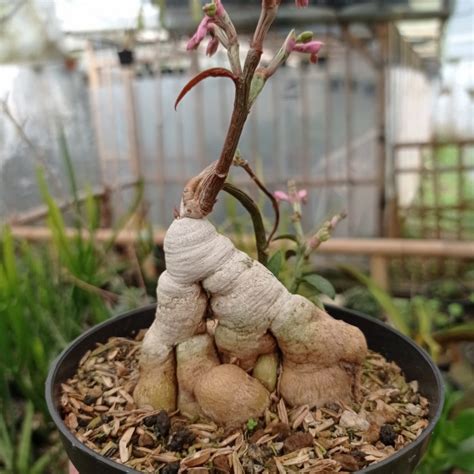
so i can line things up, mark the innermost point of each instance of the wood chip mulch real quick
(99, 410)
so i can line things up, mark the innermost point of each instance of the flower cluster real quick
(304, 43)
(215, 14)
(297, 196)
(216, 22)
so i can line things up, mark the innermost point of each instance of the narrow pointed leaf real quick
(212, 72)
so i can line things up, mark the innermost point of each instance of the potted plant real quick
(125, 55)
(234, 365)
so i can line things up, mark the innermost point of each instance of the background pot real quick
(126, 57)
(394, 346)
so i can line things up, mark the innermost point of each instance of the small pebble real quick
(89, 399)
(150, 420)
(171, 468)
(298, 441)
(414, 409)
(146, 440)
(348, 462)
(353, 421)
(106, 418)
(180, 440)
(162, 424)
(388, 435)
(282, 430)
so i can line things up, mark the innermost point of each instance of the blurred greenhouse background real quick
(93, 159)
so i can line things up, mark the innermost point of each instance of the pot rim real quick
(75, 443)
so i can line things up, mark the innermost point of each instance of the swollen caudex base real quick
(229, 377)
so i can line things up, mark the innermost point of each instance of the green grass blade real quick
(92, 211)
(24, 446)
(384, 299)
(461, 332)
(6, 446)
(55, 219)
(44, 461)
(8, 257)
(122, 221)
(425, 327)
(70, 173)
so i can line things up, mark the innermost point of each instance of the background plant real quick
(48, 296)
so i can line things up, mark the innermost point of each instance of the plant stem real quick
(200, 193)
(257, 221)
(213, 182)
(238, 161)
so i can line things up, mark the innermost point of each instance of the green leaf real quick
(317, 302)
(125, 218)
(460, 332)
(9, 257)
(424, 317)
(55, 219)
(461, 427)
(44, 461)
(251, 424)
(275, 263)
(320, 284)
(464, 457)
(455, 310)
(384, 299)
(6, 446)
(70, 174)
(92, 210)
(24, 447)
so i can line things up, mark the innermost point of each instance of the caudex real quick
(264, 335)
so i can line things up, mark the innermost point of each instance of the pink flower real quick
(281, 196)
(212, 11)
(200, 34)
(302, 3)
(311, 47)
(212, 46)
(299, 196)
(220, 9)
(290, 42)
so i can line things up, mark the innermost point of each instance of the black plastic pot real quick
(394, 346)
(126, 57)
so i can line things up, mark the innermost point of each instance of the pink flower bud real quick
(299, 196)
(305, 37)
(302, 3)
(281, 196)
(210, 9)
(303, 195)
(212, 46)
(312, 48)
(200, 34)
(220, 9)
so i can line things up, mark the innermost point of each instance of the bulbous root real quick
(228, 376)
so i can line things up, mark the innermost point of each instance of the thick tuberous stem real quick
(257, 318)
(228, 374)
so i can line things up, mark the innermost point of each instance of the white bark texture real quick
(228, 376)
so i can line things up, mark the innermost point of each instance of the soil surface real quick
(99, 410)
